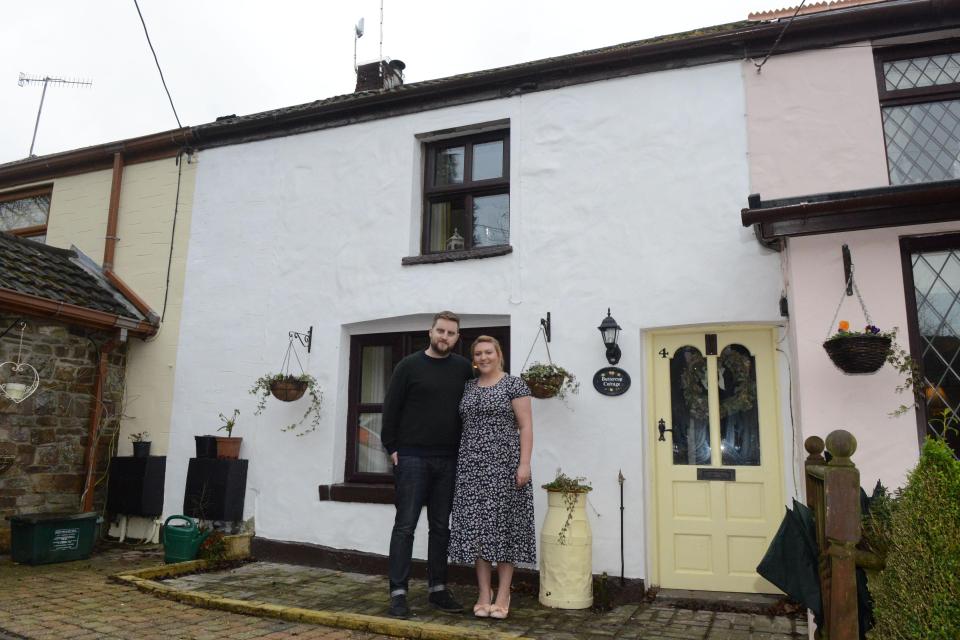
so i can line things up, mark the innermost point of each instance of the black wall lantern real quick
(609, 329)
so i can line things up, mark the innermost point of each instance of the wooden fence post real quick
(841, 488)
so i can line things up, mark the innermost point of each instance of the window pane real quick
(691, 410)
(488, 160)
(449, 166)
(936, 281)
(25, 212)
(739, 420)
(925, 71)
(371, 456)
(923, 141)
(447, 224)
(491, 220)
(374, 374)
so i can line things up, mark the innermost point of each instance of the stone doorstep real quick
(146, 580)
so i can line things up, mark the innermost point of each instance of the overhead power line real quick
(147, 33)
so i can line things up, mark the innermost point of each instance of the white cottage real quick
(605, 179)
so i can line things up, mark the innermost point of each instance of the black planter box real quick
(215, 489)
(136, 485)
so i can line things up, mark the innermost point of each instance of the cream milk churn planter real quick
(566, 547)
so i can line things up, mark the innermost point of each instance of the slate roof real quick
(438, 84)
(60, 275)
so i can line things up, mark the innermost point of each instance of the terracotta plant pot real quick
(288, 389)
(228, 448)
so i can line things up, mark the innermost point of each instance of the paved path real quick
(325, 589)
(76, 601)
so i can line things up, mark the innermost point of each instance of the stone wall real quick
(47, 433)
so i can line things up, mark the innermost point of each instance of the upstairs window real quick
(24, 213)
(467, 193)
(920, 103)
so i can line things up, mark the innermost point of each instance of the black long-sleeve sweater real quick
(421, 411)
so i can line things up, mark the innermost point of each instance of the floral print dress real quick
(492, 518)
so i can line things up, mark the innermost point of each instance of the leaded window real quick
(24, 213)
(920, 105)
(934, 277)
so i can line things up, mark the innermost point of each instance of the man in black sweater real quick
(421, 432)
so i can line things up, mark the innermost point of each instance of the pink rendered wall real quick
(813, 123)
(814, 126)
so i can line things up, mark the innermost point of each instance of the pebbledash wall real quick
(47, 433)
(624, 193)
(815, 126)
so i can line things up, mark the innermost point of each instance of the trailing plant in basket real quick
(870, 349)
(549, 380)
(571, 488)
(262, 390)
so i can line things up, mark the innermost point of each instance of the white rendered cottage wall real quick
(624, 194)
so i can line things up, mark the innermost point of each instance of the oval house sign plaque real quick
(611, 381)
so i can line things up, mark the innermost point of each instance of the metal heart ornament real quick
(18, 391)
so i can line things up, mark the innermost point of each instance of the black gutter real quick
(879, 207)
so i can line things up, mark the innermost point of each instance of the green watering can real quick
(181, 541)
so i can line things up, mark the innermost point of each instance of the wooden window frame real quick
(30, 192)
(916, 95)
(402, 344)
(468, 189)
(909, 245)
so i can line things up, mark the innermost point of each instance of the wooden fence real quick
(833, 494)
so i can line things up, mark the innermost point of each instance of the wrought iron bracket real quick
(662, 428)
(847, 268)
(306, 339)
(545, 325)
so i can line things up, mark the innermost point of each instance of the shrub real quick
(213, 549)
(917, 595)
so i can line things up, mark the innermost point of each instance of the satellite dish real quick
(358, 28)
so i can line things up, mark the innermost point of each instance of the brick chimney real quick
(369, 77)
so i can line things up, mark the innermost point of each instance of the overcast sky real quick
(245, 56)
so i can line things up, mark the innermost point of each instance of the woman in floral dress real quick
(492, 517)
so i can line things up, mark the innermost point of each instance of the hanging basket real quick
(858, 353)
(543, 387)
(288, 389)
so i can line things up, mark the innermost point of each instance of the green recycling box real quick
(52, 537)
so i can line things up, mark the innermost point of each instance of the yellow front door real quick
(718, 464)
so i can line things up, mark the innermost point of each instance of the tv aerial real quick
(26, 79)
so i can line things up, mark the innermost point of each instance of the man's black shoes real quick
(444, 601)
(399, 607)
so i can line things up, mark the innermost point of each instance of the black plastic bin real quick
(43, 538)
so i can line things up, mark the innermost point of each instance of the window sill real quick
(453, 256)
(357, 492)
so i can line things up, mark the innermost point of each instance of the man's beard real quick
(440, 347)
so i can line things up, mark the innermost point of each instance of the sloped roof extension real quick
(36, 278)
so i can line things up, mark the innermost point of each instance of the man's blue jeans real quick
(422, 481)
